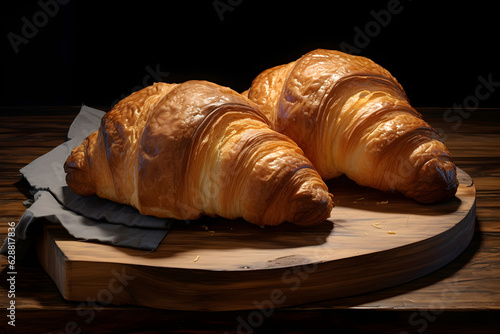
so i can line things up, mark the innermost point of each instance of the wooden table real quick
(462, 297)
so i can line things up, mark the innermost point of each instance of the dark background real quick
(94, 53)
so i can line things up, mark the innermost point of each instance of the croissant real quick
(351, 116)
(186, 150)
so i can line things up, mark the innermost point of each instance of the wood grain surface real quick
(373, 240)
(461, 297)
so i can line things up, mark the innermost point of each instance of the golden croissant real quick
(351, 116)
(186, 150)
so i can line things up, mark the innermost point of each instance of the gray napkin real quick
(88, 218)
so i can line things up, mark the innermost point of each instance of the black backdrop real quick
(87, 52)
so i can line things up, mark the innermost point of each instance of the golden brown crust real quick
(182, 151)
(351, 116)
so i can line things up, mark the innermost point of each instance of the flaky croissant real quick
(351, 116)
(185, 150)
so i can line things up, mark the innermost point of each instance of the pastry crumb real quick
(197, 258)
(376, 225)
(391, 232)
(382, 202)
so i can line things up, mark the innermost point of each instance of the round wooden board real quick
(372, 241)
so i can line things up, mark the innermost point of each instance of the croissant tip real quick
(436, 181)
(312, 209)
(77, 175)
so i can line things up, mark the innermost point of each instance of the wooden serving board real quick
(372, 241)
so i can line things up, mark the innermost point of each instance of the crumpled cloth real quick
(87, 218)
